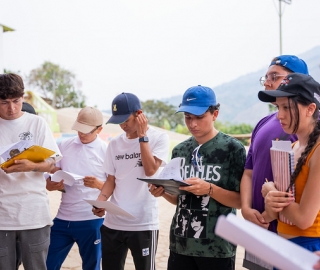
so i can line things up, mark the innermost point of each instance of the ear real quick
(311, 109)
(215, 115)
(99, 129)
(138, 112)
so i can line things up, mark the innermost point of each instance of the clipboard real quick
(170, 186)
(169, 178)
(34, 153)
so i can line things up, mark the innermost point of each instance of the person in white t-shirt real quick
(83, 155)
(138, 152)
(24, 208)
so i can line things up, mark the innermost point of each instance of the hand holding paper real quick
(110, 208)
(69, 178)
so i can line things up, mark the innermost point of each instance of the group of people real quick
(221, 176)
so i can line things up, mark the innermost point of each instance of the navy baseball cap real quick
(292, 63)
(294, 84)
(123, 106)
(197, 99)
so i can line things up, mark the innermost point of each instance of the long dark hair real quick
(313, 136)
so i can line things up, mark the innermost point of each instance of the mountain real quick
(239, 98)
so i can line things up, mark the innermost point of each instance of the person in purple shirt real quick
(258, 162)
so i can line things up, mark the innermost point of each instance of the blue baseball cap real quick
(123, 106)
(197, 99)
(292, 63)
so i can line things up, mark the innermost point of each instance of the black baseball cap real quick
(26, 107)
(294, 84)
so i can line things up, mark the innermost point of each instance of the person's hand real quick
(277, 200)
(51, 185)
(266, 187)
(317, 265)
(21, 165)
(254, 216)
(142, 124)
(198, 186)
(156, 191)
(100, 212)
(92, 182)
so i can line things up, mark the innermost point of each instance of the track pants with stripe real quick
(116, 243)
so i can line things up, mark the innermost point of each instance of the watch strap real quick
(144, 139)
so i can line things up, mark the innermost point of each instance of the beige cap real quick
(88, 118)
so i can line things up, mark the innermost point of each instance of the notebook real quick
(282, 163)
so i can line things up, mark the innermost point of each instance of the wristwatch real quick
(143, 139)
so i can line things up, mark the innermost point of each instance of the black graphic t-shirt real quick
(221, 162)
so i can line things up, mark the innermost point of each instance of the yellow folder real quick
(34, 153)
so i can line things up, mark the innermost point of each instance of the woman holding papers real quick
(258, 162)
(212, 163)
(298, 101)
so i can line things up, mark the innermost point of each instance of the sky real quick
(154, 49)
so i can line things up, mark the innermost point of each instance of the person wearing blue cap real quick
(298, 102)
(212, 163)
(258, 162)
(136, 153)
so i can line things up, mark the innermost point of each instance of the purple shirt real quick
(258, 158)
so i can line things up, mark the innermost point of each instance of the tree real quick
(56, 84)
(272, 108)
(233, 129)
(162, 115)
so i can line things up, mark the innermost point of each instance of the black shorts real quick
(177, 261)
(115, 246)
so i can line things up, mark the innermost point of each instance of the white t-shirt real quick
(124, 162)
(24, 202)
(84, 160)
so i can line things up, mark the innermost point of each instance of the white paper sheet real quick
(20, 146)
(69, 178)
(264, 244)
(110, 208)
(171, 170)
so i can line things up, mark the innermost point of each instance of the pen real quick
(267, 180)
